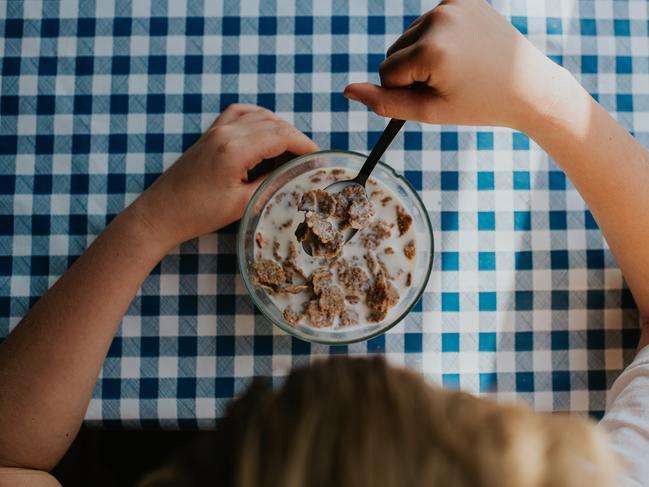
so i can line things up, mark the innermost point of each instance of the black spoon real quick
(361, 178)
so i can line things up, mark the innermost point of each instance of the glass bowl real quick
(352, 161)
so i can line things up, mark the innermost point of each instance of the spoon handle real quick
(379, 148)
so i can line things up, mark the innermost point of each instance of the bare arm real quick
(50, 362)
(481, 71)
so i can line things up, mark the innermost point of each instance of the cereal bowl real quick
(350, 162)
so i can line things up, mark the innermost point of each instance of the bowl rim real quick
(250, 287)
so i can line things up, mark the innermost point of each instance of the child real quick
(354, 422)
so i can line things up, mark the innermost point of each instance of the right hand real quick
(479, 70)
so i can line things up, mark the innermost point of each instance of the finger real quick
(255, 116)
(405, 67)
(403, 103)
(234, 111)
(406, 39)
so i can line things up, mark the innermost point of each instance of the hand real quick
(207, 187)
(477, 68)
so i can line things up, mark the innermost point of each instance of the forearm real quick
(609, 168)
(50, 362)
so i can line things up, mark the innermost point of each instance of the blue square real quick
(266, 63)
(556, 58)
(304, 64)
(155, 103)
(116, 183)
(451, 381)
(597, 380)
(521, 180)
(487, 341)
(595, 339)
(47, 66)
(339, 63)
(86, 27)
(595, 299)
(588, 27)
(340, 24)
(450, 221)
(412, 343)
(524, 300)
(267, 100)
(488, 381)
(339, 103)
(229, 64)
(50, 28)
(150, 346)
(225, 346)
(413, 177)
(225, 304)
(82, 104)
(374, 62)
(186, 388)
(40, 265)
(188, 264)
(11, 66)
(121, 65)
(560, 340)
(300, 347)
(623, 64)
(560, 300)
(84, 66)
(376, 344)
(40, 224)
(263, 345)
(121, 26)
(520, 141)
(158, 26)
(627, 300)
(187, 346)
(412, 141)
(559, 259)
(7, 183)
(553, 25)
(231, 26)
(449, 141)
(624, 103)
(520, 23)
(45, 105)
(450, 342)
(487, 261)
(192, 103)
(339, 140)
(450, 301)
(450, 261)
(522, 221)
(77, 225)
(487, 301)
(302, 102)
(450, 180)
(560, 380)
(157, 64)
(524, 341)
(408, 20)
(589, 221)
(376, 24)
(13, 28)
(150, 305)
(44, 144)
(303, 26)
(111, 388)
(154, 143)
(6, 228)
(558, 220)
(524, 382)
(485, 181)
(115, 349)
(486, 220)
(556, 181)
(622, 27)
(193, 64)
(226, 263)
(119, 103)
(589, 64)
(595, 259)
(485, 140)
(148, 388)
(267, 26)
(194, 26)
(224, 387)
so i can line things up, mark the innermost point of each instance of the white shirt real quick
(627, 420)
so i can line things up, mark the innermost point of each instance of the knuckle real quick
(283, 130)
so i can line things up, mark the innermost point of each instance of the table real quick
(525, 299)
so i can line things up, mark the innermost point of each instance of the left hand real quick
(207, 188)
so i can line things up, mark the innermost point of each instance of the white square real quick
(168, 367)
(100, 123)
(63, 124)
(606, 45)
(641, 121)
(206, 326)
(103, 46)
(97, 204)
(169, 284)
(285, 9)
(128, 409)
(59, 205)
(22, 245)
(175, 45)
(321, 44)
(284, 44)
(98, 164)
(284, 83)
(30, 47)
(25, 164)
(167, 407)
(206, 284)
(67, 46)
(358, 44)
(603, 9)
(139, 46)
(101, 84)
(174, 84)
(23, 204)
(248, 83)
(244, 325)
(68, 8)
(136, 123)
(243, 365)
(321, 83)
(31, 10)
(321, 122)
(131, 326)
(211, 83)
(206, 366)
(20, 285)
(173, 123)
(106, 8)
(130, 367)
(177, 8)
(212, 45)
(640, 84)
(249, 44)
(168, 326)
(205, 408)
(639, 46)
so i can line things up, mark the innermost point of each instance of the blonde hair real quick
(350, 422)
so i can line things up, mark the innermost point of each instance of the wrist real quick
(140, 224)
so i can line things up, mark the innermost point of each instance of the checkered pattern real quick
(98, 98)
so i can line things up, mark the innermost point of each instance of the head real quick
(351, 422)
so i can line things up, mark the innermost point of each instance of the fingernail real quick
(351, 96)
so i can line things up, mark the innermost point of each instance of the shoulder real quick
(22, 477)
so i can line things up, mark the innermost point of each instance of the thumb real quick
(404, 103)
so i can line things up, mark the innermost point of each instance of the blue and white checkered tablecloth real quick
(98, 98)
